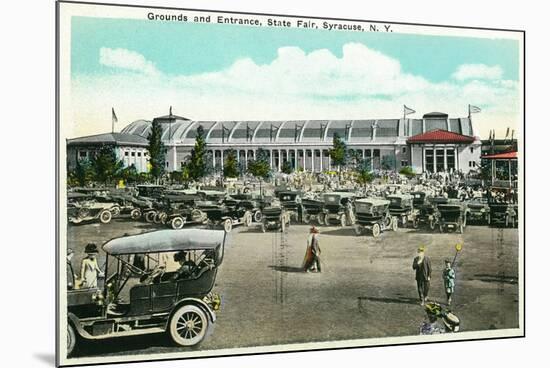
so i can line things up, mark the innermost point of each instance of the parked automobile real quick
(401, 206)
(451, 216)
(503, 213)
(179, 303)
(427, 210)
(217, 213)
(478, 210)
(292, 203)
(338, 206)
(313, 209)
(373, 214)
(83, 208)
(274, 217)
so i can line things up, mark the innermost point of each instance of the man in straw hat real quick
(312, 259)
(421, 264)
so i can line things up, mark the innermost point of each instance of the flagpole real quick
(469, 112)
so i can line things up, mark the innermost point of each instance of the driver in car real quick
(186, 266)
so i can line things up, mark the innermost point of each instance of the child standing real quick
(449, 281)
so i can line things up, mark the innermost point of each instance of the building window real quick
(139, 154)
(404, 150)
(133, 154)
(471, 149)
(376, 153)
(126, 153)
(451, 159)
(440, 160)
(404, 163)
(430, 160)
(82, 154)
(167, 163)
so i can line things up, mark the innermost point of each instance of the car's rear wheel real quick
(375, 230)
(177, 223)
(258, 216)
(150, 216)
(105, 216)
(394, 224)
(188, 325)
(415, 223)
(71, 339)
(135, 214)
(227, 225)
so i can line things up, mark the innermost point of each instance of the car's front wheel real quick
(188, 325)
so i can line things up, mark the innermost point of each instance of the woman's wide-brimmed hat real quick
(91, 248)
(314, 230)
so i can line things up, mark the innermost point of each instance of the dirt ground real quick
(366, 287)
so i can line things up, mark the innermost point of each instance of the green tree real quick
(407, 171)
(231, 165)
(197, 164)
(83, 173)
(338, 152)
(260, 167)
(157, 151)
(287, 167)
(363, 173)
(129, 174)
(106, 165)
(388, 162)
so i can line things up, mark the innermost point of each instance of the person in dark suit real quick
(421, 264)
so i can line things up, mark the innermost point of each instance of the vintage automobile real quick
(312, 209)
(374, 214)
(478, 210)
(338, 206)
(503, 213)
(176, 211)
(401, 206)
(83, 208)
(180, 303)
(451, 216)
(218, 213)
(292, 203)
(274, 217)
(427, 210)
(250, 202)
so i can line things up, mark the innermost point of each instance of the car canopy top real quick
(399, 196)
(166, 241)
(374, 201)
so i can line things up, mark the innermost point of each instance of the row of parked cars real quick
(176, 208)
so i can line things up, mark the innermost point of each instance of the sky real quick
(228, 72)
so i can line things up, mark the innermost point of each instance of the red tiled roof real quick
(440, 136)
(502, 156)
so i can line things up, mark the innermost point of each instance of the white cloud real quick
(477, 71)
(363, 83)
(126, 59)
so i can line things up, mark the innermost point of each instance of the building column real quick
(221, 158)
(304, 159)
(312, 160)
(279, 160)
(435, 158)
(321, 152)
(295, 159)
(246, 159)
(214, 159)
(445, 159)
(271, 159)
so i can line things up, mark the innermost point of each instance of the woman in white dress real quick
(89, 269)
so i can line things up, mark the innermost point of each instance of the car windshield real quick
(332, 199)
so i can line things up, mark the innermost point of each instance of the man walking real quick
(421, 264)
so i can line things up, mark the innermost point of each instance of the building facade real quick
(305, 144)
(130, 148)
